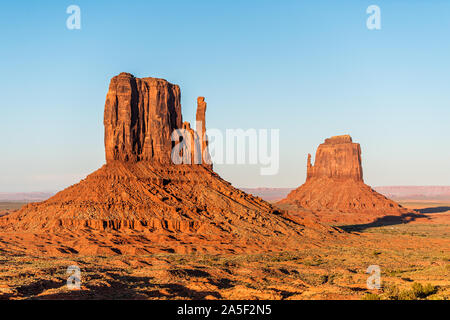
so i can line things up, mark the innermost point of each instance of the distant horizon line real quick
(243, 187)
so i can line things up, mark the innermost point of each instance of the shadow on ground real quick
(433, 209)
(122, 287)
(385, 221)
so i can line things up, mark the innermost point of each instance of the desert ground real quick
(7, 207)
(413, 255)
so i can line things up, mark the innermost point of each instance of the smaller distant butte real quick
(335, 183)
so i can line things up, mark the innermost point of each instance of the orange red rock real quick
(335, 182)
(140, 116)
(337, 158)
(187, 207)
(201, 130)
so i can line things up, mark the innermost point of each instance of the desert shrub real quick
(391, 292)
(406, 295)
(422, 291)
(371, 296)
(417, 291)
(323, 279)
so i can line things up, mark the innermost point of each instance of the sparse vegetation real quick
(416, 291)
(410, 270)
(371, 296)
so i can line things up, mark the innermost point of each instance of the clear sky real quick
(309, 68)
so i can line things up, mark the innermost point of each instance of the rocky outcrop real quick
(335, 182)
(143, 122)
(167, 207)
(201, 130)
(337, 158)
(140, 116)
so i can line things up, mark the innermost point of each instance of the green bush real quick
(417, 291)
(421, 291)
(371, 296)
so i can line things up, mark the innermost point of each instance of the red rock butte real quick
(335, 182)
(337, 158)
(140, 201)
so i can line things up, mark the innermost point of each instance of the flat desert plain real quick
(414, 259)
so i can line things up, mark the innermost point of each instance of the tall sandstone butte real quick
(335, 182)
(140, 201)
(337, 158)
(140, 116)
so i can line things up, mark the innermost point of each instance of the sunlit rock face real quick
(337, 158)
(335, 182)
(140, 116)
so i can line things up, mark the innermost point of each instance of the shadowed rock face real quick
(337, 158)
(140, 116)
(335, 182)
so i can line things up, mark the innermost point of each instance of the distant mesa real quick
(335, 182)
(24, 196)
(141, 193)
(269, 194)
(427, 193)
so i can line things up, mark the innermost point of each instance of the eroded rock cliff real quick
(335, 182)
(337, 158)
(140, 116)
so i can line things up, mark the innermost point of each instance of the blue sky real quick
(309, 68)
